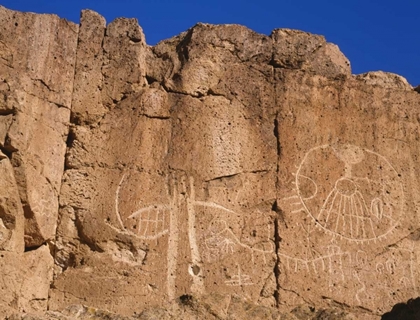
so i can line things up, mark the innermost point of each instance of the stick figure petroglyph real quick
(221, 241)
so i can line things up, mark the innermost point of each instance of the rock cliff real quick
(221, 174)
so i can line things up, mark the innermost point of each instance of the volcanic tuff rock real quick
(220, 174)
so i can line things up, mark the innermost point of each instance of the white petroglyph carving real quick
(380, 268)
(157, 220)
(221, 241)
(151, 223)
(5, 233)
(358, 202)
(145, 223)
(364, 199)
(197, 278)
(239, 279)
(42, 206)
(361, 290)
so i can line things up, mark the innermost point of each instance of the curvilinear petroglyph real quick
(221, 174)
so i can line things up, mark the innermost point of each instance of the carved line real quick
(198, 283)
(239, 279)
(299, 167)
(172, 256)
(117, 199)
(138, 213)
(129, 233)
(238, 241)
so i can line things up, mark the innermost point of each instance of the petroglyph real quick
(239, 279)
(217, 243)
(5, 233)
(197, 277)
(221, 241)
(156, 220)
(42, 206)
(145, 223)
(322, 263)
(151, 223)
(342, 221)
(339, 268)
(364, 194)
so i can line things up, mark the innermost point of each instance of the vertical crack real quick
(276, 134)
(68, 140)
(277, 240)
(275, 208)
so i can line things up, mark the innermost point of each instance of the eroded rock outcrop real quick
(253, 176)
(37, 71)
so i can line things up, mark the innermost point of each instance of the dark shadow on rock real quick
(404, 311)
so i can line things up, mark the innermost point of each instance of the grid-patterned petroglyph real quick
(239, 279)
(146, 223)
(157, 220)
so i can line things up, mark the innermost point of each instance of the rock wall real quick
(218, 165)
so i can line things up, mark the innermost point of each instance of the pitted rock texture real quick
(37, 71)
(189, 308)
(221, 174)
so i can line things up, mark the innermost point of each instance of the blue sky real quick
(373, 34)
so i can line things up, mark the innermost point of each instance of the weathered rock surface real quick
(221, 174)
(211, 307)
(11, 212)
(37, 71)
(25, 281)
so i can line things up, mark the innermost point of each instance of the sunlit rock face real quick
(221, 174)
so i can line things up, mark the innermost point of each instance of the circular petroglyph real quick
(147, 222)
(350, 192)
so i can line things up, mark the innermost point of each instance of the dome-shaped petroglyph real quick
(350, 192)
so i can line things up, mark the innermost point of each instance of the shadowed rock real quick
(404, 311)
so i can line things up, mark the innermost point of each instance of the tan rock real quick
(385, 80)
(39, 165)
(87, 100)
(5, 123)
(37, 84)
(294, 49)
(26, 281)
(124, 66)
(206, 52)
(193, 185)
(110, 65)
(11, 213)
(43, 54)
(344, 195)
(221, 174)
(200, 210)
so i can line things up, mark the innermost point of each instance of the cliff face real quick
(220, 166)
